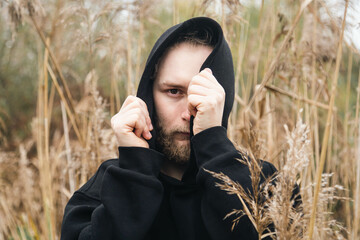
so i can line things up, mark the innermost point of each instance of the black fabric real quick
(128, 198)
(219, 61)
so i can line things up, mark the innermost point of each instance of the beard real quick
(173, 150)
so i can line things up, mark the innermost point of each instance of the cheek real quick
(168, 112)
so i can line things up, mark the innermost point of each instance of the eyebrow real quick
(171, 84)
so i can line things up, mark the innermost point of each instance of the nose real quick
(185, 115)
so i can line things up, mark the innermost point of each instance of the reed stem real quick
(327, 128)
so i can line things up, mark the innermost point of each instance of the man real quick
(168, 134)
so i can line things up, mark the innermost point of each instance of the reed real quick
(327, 128)
(82, 58)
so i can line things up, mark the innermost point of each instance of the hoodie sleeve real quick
(120, 201)
(215, 152)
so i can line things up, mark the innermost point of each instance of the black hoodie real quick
(128, 198)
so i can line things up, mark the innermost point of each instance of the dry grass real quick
(88, 58)
(277, 201)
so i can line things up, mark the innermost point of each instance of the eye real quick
(174, 91)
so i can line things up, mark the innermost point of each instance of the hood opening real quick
(219, 61)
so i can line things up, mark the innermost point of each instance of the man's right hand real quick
(132, 124)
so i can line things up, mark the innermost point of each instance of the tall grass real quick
(66, 66)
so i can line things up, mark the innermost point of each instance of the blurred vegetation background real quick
(66, 66)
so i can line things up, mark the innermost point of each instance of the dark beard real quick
(167, 145)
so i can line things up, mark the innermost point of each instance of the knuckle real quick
(195, 79)
(222, 91)
(212, 102)
(190, 89)
(219, 96)
(191, 98)
(114, 120)
(129, 99)
(138, 112)
(137, 104)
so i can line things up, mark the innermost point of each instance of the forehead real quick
(181, 63)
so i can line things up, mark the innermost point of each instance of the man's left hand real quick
(206, 99)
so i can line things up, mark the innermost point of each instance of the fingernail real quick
(208, 69)
(151, 127)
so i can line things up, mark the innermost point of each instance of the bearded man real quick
(168, 134)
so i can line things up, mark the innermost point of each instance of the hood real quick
(219, 61)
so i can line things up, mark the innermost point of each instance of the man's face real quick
(176, 70)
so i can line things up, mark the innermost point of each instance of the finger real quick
(146, 112)
(146, 133)
(207, 73)
(140, 126)
(128, 100)
(208, 70)
(192, 110)
(141, 112)
(135, 105)
(194, 102)
(199, 90)
(202, 80)
(115, 121)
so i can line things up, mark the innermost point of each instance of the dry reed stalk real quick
(96, 138)
(40, 147)
(114, 92)
(244, 30)
(44, 166)
(260, 49)
(129, 90)
(243, 103)
(51, 102)
(223, 17)
(56, 17)
(261, 12)
(273, 20)
(139, 47)
(252, 205)
(8, 218)
(356, 219)
(271, 126)
(278, 201)
(296, 97)
(239, 80)
(269, 73)
(83, 154)
(348, 156)
(67, 107)
(92, 79)
(357, 190)
(113, 89)
(284, 211)
(327, 129)
(68, 150)
(357, 103)
(57, 68)
(331, 140)
(314, 111)
(96, 128)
